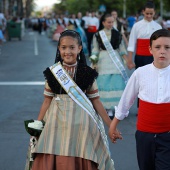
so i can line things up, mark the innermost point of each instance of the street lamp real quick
(124, 8)
(161, 8)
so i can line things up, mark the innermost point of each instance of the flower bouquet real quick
(34, 127)
(93, 59)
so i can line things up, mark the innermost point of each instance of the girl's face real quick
(108, 23)
(160, 50)
(149, 14)
(69, 49)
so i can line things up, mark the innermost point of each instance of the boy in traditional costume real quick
(139, 38)
(151, 84)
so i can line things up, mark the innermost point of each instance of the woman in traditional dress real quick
(79, 25)
(110, 81)
(72, 138)
(61, 26)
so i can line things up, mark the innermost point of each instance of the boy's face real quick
(148, 14)
(160, 50)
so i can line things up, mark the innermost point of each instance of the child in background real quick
(110, 80)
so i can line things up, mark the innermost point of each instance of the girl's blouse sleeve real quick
(47, 91)
(122, 48)
(92, 92)
(95, 50)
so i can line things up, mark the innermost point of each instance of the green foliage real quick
(132, 6)
(38, 13)
(59, 8)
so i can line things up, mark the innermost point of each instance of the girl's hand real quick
(94, 66)
(114, 135)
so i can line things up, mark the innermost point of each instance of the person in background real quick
(40, 25)
(151, 83)
(139, 39)
(79, 27)
(93, 25)
(140, 17)
(119, 26)
(85, 18)
(3, 27)
(130, 22)
(71, 23)
(110, 80)
(80, 19)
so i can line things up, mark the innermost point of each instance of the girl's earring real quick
(79, 57)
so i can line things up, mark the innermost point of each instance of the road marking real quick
(35, 45)
(31, 33)
(21, 83)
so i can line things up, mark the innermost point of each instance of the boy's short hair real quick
(149, 4)
(159, 33)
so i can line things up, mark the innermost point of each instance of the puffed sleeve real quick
(122, 48)
(47, 91)
(95, 50)
(92, 92)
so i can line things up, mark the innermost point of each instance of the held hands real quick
(130, 64)
(114, 135)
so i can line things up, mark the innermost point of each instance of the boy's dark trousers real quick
(153, 150)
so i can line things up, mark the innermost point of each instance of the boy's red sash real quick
(153, 118)
(92, 29)
(143, 47)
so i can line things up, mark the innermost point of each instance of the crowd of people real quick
(78, 98)
(87, 25)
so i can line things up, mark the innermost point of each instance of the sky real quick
(42, 3)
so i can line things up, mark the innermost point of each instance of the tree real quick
(20, 8)
(11, 7)
(74, 6)
(30, 5)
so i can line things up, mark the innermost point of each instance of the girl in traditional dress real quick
(72, 138)
(110, 81)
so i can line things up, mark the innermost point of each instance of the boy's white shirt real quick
(148, 83)
(142, 29)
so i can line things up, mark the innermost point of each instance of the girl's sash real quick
(114, 56)
(79, 97)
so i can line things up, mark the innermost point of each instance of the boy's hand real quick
(114, 135)
(130, 65)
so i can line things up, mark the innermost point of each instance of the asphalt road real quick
(21, 95)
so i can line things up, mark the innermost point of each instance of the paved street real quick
(22, 84)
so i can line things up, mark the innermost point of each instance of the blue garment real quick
(131, 20)
(1, 35)
(110, 88)
(80, 30)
